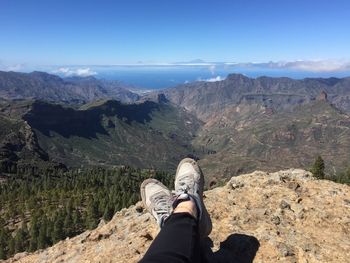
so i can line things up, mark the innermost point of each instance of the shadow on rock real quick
(237, 248)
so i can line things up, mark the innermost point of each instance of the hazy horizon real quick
(165, 76)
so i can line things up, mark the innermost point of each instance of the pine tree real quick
(20, 240)
(108, 212)
(318, 168)
(58, 232)
(3, 242)
(49, 231)
(2, 251)
(77, 221)
(92, 215)
(34, 233)
(11, 246)
(33, 243)
(68, 224)
(43, 241)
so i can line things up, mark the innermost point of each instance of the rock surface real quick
(286, 216)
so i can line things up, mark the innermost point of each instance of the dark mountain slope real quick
(44, 86)
(144, 135)
(19, 149)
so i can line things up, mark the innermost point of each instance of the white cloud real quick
(16, 67)
(217, 78)
(319, 66)
(303, 65)
(212, 69)
(12, 67)
(81, 72)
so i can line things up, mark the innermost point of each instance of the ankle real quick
(186, 207)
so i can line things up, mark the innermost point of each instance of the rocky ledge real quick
(287, 216)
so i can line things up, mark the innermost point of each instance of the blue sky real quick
(115, 32)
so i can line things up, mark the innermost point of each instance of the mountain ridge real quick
(207, 98)
(45, 86)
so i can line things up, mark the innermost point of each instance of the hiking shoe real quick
(189, 180)
(156, 197)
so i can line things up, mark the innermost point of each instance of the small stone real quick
(245, 221)
(284, 205)
(306, 247)
(276, 220)
(284, 178)
(294, 186)
(148, 236)
(139, 209)
(333, 193)
(235, 185)
(271, 182)
(347, 202)
(301, 216)
(101, 223)
(285, 250)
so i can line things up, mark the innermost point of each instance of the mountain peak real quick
(293, 217)
(322, 96)
(237, 76)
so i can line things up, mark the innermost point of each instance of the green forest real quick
(38, 211)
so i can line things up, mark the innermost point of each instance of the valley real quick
(234, 125)
(65, 148)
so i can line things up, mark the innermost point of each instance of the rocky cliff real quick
(287, 216)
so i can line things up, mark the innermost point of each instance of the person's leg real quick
(178, 240)
(189, 181)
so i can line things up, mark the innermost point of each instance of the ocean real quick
(160, 77)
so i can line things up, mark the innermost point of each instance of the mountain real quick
(212, 98)
(145, 135)
(267, 123)
(286, 216)
(236, 125)
(44, 86)
(250, 137)
(20, 151)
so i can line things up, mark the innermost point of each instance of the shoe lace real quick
(161, 204)
(185, 183)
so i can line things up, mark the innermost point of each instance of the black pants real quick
(178, 241)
